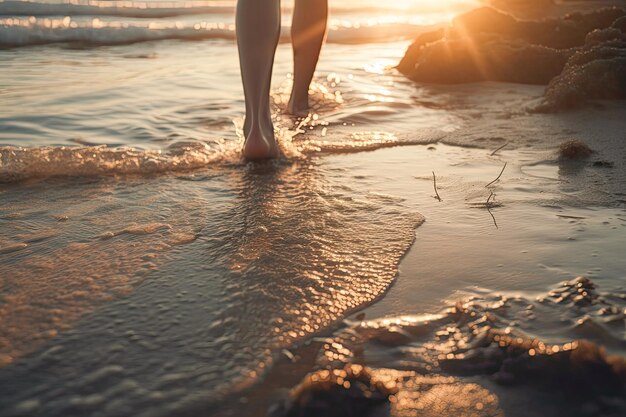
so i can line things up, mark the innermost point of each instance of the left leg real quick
(258, 32)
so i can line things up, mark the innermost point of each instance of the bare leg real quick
(258, 32)
(308, 31)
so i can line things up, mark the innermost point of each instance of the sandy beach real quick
(424, 247)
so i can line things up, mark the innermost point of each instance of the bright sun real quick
(413, 6)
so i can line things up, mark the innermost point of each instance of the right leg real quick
(308, 31)
(258, 32)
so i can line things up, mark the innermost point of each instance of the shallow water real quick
(506, 269)
(159, 274)
(220, 268)
(152, 94)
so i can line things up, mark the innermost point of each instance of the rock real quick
(574, 149)
(581, 56)
(351, 391)
(596, 71)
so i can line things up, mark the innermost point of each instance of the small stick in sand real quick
(435, 185)
(500, 148)
(503, 168)
(489, 208)
(493, 217)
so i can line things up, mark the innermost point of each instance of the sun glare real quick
(421, 5)
(420, 12)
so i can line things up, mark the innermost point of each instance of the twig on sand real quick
(500, 148)
(488, 206)
(435, 185)
(490, 203)
(493, 217)
(503, 168)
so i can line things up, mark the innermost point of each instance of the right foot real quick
(298, 108)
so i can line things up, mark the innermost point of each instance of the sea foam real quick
(16, 32)
(22, 163)
(114, 8)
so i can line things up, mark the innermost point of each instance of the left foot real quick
(260, 145)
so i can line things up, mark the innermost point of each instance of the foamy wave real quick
(15, 32)
(25, 32)
(17, 164)
(140, 9)
(365, 141)
(113, 8)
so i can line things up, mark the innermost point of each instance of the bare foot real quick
(259, 146)
(298, 108)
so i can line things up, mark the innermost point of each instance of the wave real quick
(114, 8)
(28, 32)
(19, 164)
(139, 9)
(16, 32)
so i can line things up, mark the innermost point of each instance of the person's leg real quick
(258, 32)
(308, 31)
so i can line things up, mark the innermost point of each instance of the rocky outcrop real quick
(580, 56)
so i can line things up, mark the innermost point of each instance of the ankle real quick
(298, 105)
(263, 126)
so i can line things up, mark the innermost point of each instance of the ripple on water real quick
(196, 286)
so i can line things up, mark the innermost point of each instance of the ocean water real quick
(146, 270)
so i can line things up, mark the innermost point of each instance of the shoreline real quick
(548, 215)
